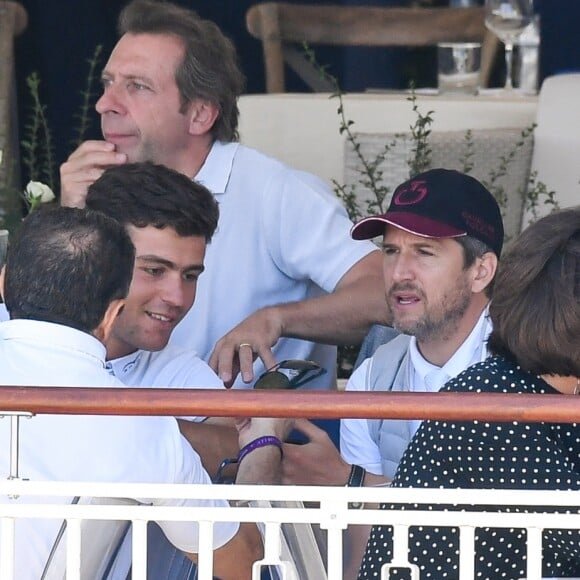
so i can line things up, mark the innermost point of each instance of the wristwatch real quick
(356, 479)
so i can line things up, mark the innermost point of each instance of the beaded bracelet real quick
(257, 443)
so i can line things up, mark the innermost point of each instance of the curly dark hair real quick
(145, 194)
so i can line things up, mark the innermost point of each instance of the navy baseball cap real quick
(440, 203)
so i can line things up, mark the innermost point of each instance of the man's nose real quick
(402, 268)
(110, 101)
(173, 293)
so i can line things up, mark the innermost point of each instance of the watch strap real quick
(356, 477)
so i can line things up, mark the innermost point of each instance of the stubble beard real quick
(440, 321)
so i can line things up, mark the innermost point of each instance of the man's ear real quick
(202, 115)
(484, 272)
(103, 330)
(2, 277)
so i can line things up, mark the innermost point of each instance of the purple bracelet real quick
(257, 443)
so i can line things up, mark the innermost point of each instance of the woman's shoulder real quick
(495, 375)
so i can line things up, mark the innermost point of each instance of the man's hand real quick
(342, 317)
(84, 166)
(317, 462)
(263, 464)
(235, 352)
(252, 428)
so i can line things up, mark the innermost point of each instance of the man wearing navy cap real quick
(442, 238)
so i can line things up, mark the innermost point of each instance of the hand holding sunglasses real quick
(298, 373)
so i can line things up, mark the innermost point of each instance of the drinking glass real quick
(507, 19)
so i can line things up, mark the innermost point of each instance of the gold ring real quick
(245, 344)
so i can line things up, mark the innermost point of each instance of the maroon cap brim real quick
(374, 226)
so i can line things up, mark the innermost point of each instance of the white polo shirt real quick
(357, 446)
(283, 236)
(87, 448)
(171, 367)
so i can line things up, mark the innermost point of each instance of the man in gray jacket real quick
(442, 238)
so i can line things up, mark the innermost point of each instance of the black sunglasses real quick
(299, 373)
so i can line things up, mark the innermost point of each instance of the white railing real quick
(330, 509)
(273, 506)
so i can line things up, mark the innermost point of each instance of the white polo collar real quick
(124, 364)
(217, 168)
(472, 350)
(56, 335)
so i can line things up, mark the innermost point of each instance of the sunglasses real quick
(298, 373)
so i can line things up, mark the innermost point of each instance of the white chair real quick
(557, 139)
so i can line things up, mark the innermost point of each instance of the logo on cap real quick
(411, 194)
(478, 225)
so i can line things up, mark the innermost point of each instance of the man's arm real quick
(234, 560)
(84, 166)
(341, 317)
(262, 465)
(214, 439)
(318, 462)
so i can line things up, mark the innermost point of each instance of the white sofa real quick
(303, 129)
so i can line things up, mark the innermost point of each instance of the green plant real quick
(537, 191)
(371, 176)
(37, 145)
(88, 95)
(420, 131)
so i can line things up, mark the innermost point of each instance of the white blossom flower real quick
(39, 191)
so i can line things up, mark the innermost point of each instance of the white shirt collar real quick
(58, 335)
(122, 365)
(472, 350)
(217, 168)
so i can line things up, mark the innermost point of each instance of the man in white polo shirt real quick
(67, 273)
(171, 220)
(284, 279)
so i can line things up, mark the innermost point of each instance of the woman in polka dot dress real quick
(536, 344)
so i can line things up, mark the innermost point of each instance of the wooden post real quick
(13, 21)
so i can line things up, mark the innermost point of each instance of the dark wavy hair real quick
(536, 304)
(145, 194)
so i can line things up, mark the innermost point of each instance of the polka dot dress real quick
(487, 456)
